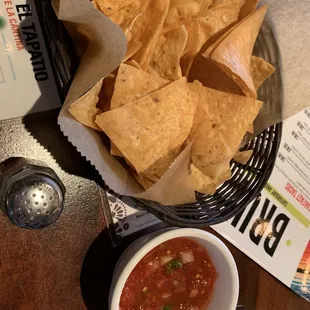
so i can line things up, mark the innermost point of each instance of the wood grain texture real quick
(272, 294)
(259, 290)
(69, 265)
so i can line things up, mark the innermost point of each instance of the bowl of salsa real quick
(186, 269)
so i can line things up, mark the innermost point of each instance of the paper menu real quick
(292, 170)
(275, 229)
(26, 79)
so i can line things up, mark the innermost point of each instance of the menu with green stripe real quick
(275, 229)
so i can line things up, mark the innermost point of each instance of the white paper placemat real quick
(27, 83)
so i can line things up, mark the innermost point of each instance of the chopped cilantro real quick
(174, 265)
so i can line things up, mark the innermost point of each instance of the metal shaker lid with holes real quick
(31, 193)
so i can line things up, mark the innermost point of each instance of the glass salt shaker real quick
(31, 194)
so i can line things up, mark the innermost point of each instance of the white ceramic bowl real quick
(226, 290)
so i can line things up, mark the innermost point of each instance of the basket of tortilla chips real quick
(189, 87)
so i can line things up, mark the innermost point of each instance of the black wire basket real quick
(246, 182)
(234, 195)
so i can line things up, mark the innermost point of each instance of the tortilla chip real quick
(174, 187)
(219, 125)
(160, 166)
(224, 10)
(107, 89)
(248, 8)
(108, 7)
(166, 58)
(212, 76)
(250, 128)
(95, 4)
(201, 182)
(105, 97)
(153, 178)
(106, 92)
(148, 129)
(243, 157)
(147, 30)
(195, 92)
(219, 172)
(133, 45)
(85, 110)
(217, 39)
(146, 18)
(132, 84)
(132, 49)
(134, 64)
(233, 54)
(203, 27)
(197, 36)
(193, 8)
(129, 12)
(181, 10)
(144, 182)
(204, 183)
(260, 71)
(115, 151)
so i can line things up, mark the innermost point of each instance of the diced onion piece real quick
(187, 257)
(153, 265)
(166, 295)
(193, 293)
(165, 259)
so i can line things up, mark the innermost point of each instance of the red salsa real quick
(177, 274)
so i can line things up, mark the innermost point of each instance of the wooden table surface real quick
(69, 265)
